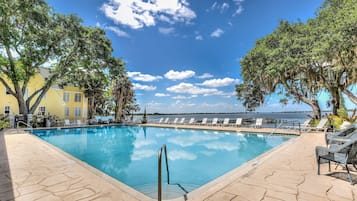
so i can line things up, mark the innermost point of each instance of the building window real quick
(42, 110)
(7, 91)
(7, 110)
(77, 111)
(66, 96)
(66, 111)
(77, 97)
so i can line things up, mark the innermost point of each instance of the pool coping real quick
(131, 191)
(198, 194)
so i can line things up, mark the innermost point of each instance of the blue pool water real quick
(129, 153)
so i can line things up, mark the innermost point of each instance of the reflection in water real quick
(129, 154)
(144, 131)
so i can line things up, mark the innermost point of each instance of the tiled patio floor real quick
(33, 170)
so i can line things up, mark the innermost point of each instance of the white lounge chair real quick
(225, 122)
(321, 125)
(192, 120)
(238, 122)
(258, 122)
(161, 120)
(67, 122)
(175, 120)
(204, 121)
(214, 121)
(182, 120)
(79, 122)
(166, 121)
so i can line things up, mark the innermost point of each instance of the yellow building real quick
(67, 103)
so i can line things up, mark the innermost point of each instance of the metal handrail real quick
(281, 124)
(24, 123)
(159, 192)
(276, 128)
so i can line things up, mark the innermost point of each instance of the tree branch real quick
(8, 87)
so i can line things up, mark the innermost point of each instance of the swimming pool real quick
(129, 153)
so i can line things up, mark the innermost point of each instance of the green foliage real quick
(302, 59)
(337, 120)
(42, 38)
(121, 90)
(4, 122)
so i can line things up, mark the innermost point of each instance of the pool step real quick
(170, 191)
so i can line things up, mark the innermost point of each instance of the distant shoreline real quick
(200, 113)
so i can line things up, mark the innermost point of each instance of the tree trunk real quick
(335, 101)
(314, 104)
(33, 108)
(22, 105)
(315, 109)
(91, 107)
(23, 109)
(351, 96)
(119, 109)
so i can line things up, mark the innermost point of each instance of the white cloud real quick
(222, 7)
(166, 31)
(143, 87)
(117, 31)
(141, 143)
(141, 154)
(190, 89)
(219, 82)
(204, 76)
(185, 141)
(227, 146)
(199, 37)
(139, 13)
(179, 75)
(166, 19)
(179, 97)
(239, 6)
(138, 76)
(161, 95)
(217, 33)
(181, 155)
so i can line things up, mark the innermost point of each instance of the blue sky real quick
(183, 55)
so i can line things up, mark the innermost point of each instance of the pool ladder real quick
(159, 192)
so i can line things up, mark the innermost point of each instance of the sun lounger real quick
(192, 121)
(321, 125)
(225, 122)
(182, 120)
(258, 122)
(161, 120)
(238, 122)
(79, 122)
(343, 154)
(67, 122)
(166, 121)
(214, 121)
(175, 121)
(204, 121)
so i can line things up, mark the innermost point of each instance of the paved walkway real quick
(33, 170)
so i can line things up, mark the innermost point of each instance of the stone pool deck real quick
(31, 169)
